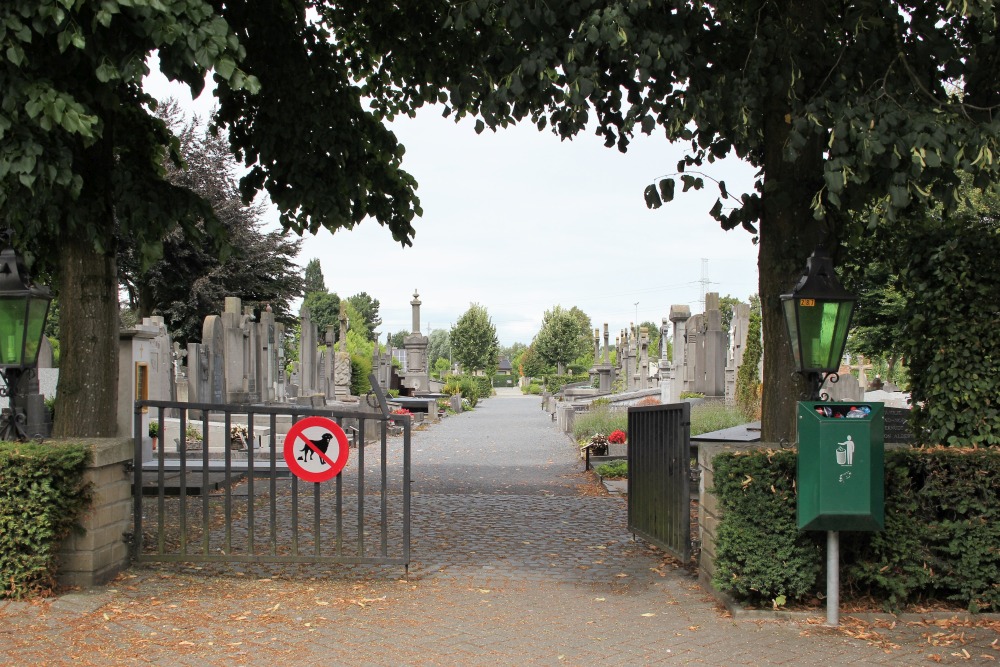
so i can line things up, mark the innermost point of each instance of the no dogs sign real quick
(316, 449)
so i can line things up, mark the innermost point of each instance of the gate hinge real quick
(128, 466)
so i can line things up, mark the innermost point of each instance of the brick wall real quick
(99, 553)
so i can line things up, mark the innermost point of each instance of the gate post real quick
(95, 556)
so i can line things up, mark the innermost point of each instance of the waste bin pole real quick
(832, 578)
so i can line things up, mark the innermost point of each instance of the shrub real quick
(942, 525)
(601, 419)
(470, 387)
(617, 437)
(360, 368)
(554, 383)
(649, 400)
(503, 380)
(613, 470)
(192, 432)
(154, 429)
(42, 497)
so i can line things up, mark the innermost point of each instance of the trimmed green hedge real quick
(554, 383)
(42, 497)
(941, 539)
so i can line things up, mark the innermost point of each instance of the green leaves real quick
(941, 510)
(42, 497)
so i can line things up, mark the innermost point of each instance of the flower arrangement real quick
(598, 445)
(238, 433)
(401, 411)
(617, 437)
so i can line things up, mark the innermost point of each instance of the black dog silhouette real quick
(322, 445)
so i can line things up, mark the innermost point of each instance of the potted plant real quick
(192, 437)
(399, 412)
(617, 437)
(154, 432)
(598, 445)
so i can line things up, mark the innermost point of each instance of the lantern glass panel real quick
(12, 316)
(38, 308)
(791, 319)
(823, 332)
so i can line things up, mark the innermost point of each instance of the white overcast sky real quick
(519, 221)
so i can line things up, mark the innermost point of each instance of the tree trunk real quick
(788, 235)
(87, 396)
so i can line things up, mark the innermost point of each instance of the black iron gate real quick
(659, 471)
(217, 488)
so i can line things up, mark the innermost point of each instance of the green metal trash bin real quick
(841, 466)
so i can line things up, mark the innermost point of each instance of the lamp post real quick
(23, 311)
(818, 315)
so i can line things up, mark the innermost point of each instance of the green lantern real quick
(23, 311)
(818, 315)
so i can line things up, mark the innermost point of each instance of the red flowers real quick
(617, 437)
(401, 411)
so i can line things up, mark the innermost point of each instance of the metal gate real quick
(217, 488)
(659, 472)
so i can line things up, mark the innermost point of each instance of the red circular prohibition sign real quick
(308, 450)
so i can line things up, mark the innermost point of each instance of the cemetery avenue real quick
(518, 558)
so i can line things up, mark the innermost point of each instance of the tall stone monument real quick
(417, 378)
(341, 360)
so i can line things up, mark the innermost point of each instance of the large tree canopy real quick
(870, 107)
(81, 151)
(564, 336)
(474, 342)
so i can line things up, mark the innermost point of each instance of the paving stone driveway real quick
(517, 559)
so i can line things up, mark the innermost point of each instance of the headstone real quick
(897, 426)
(604, 369)
(213, 340)
(862, 368)
(714, 342)
(737, 344)
(845, 389)
(308, 355)
(679, 316)
(643, 358)
(695, 369)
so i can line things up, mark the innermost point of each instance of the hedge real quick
(941, 540)
(42, 497)
(554, 383)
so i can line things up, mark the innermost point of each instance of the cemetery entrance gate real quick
(659, 471)
(217, 488)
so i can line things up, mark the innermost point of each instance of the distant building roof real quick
(505, 365)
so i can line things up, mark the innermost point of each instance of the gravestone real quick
(308, 356)
(845, 389)
(213, 341)
(679, 316)
(340, 358)
(604, 370)
(714, 344)
(737, 344)
(897, 426)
